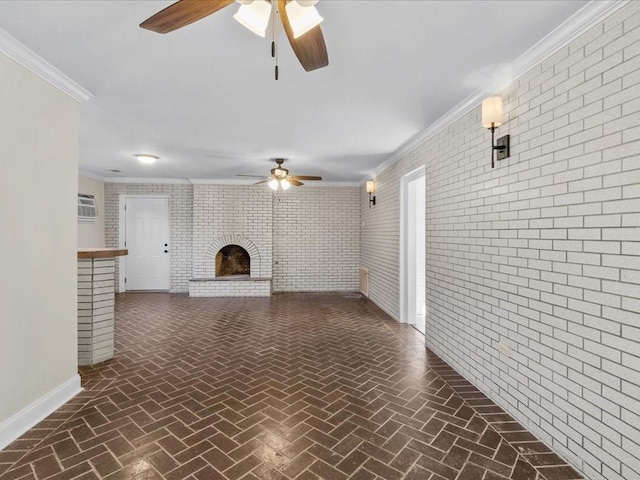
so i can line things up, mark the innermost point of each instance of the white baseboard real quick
(26, 418)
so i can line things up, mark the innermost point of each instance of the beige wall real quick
(38, 183)
(91, 234)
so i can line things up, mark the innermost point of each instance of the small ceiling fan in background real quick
(300, 19)
(280, 178)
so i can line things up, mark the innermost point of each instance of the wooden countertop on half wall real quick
(101, 252)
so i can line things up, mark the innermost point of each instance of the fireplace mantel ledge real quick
(231, 279)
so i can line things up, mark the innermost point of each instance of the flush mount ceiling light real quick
(146, 158)
(299, 18)
(492, 119)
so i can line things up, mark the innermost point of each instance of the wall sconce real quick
(371, 188)
(492, 119)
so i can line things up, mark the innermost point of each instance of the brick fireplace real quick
(232, 241)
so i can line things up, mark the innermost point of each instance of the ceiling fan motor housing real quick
(279, 171)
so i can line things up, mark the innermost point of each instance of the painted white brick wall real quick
(316, 244)
(221, 210)
(180, 219)
(542, 253)
(230, 288)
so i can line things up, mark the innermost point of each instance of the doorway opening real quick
(413, 252)
(144, 232)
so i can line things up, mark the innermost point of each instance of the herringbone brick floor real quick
(297, 386)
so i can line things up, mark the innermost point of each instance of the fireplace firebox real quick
(232, 260)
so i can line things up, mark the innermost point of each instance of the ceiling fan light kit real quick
(254, 15)
(299, 18)
(302, 17)
(280, 178)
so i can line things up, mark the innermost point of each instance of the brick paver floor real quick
(296, 386)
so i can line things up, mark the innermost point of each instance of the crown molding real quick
(201, 181)
(93, 176)
(580, 22)
(37, 65)
(179, 181)
(223, 181)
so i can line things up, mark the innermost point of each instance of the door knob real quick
(166, 251)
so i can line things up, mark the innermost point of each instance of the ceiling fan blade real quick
(310, 47)
(306, 177)
(182, 13)
(295, 182)
(252, 176)
(261, 181)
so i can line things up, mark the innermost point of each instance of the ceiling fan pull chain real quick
(274, 49)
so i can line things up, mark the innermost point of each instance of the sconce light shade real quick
(492, 112)
(371, 186)
(492, 119)
(255, 16)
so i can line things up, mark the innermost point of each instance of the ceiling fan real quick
(300, 20)
(280, 178)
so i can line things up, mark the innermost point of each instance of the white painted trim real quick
(208, 181)
(579, 23)
(31, 415)
(234, 181)
(322, 183)
(84, 173)
(224, 181)
(404, 201)
(122, 235)
(182, 181)
(587, 17)
(37, 65)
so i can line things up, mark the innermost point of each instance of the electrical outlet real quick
(503, 349)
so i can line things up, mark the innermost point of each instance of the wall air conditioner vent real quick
(87, 211)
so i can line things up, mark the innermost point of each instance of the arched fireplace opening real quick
(232, 260)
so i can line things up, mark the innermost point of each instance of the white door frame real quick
(122, 235)
(404, 200)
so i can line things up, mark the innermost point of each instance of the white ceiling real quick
(204, 99)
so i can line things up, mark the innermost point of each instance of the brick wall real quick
(541, 254)
(316, 239)
(222, 210)
(313, 234)
(180, 205)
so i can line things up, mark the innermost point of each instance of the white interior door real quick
(413, 246)
(147, 238)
